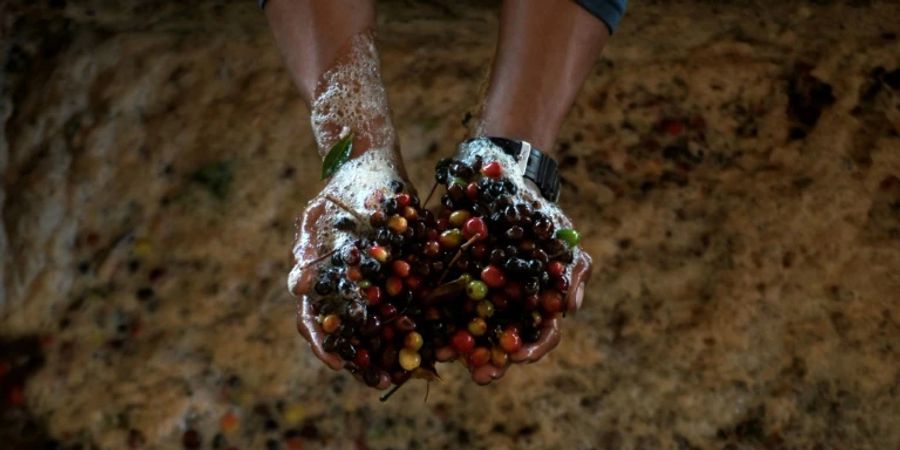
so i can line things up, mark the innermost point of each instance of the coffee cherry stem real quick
(430, 193)
(319, 259)
(340, 204)
(447, 289)
(459, 253)
(389, 393)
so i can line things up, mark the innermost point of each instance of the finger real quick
(306, 249)
(550, 336)
(581, 274)
(485, 374)
(444, 354)
(309, 328)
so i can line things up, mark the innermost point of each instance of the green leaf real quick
(337, 156)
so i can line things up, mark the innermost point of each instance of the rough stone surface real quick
(734, 168)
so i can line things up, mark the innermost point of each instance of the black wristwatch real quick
(539, 167)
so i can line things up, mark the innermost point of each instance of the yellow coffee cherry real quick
(409, 359)
(499, 357)
(477, 326)
(413, 341)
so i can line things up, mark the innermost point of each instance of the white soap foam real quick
(351, 96)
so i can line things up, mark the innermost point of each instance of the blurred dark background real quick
(734, 168)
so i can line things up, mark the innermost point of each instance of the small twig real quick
(391, 392)
(427, 390)
(433, 187)
(319, 259)
(457, 255)
(340, 204)
(450, 287)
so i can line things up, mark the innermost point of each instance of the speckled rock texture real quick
(734, 168)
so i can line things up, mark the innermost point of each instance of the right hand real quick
(359, 184)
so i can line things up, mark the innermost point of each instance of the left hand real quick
(579, 269)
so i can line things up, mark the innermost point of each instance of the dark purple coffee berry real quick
(427, 218)
(531, 335)
(356, 312)
(535, 267)
(423, 269)
(456, 192)
(371, 326)
(383, 236)
(524, 209)
(350, 255)
(371, 376)
(336, 259)
(477, 164)
(369, 266)
(346, 350)
(323, 287)
(347, 289)
(532, 286)
(515, 233)
(545, 279)
(543, 228)
(510, 214)
(390, 206)
(448, 202)
(540, 255)
(330, 343)
(497, 257)
(496, 220)
(509, 188)
(461, 170)
(345, 224)
(516, 266)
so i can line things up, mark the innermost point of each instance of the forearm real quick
(545, 50)
(328, 47)
(312, 33)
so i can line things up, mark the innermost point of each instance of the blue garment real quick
(609, 11)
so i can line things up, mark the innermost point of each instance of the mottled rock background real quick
(734, 166)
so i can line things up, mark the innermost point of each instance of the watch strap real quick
(537, 166)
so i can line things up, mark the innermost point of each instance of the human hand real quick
(328, 224)
(579, 270)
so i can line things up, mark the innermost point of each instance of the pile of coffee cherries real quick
(515, 271)
(480, 275)
(368, 299)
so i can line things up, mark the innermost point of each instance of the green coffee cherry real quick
(476, 289)
(569, 236)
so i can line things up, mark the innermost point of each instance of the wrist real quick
(521, 160)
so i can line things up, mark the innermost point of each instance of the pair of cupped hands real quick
(356, 183)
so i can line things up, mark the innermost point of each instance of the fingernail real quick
(579, 295)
